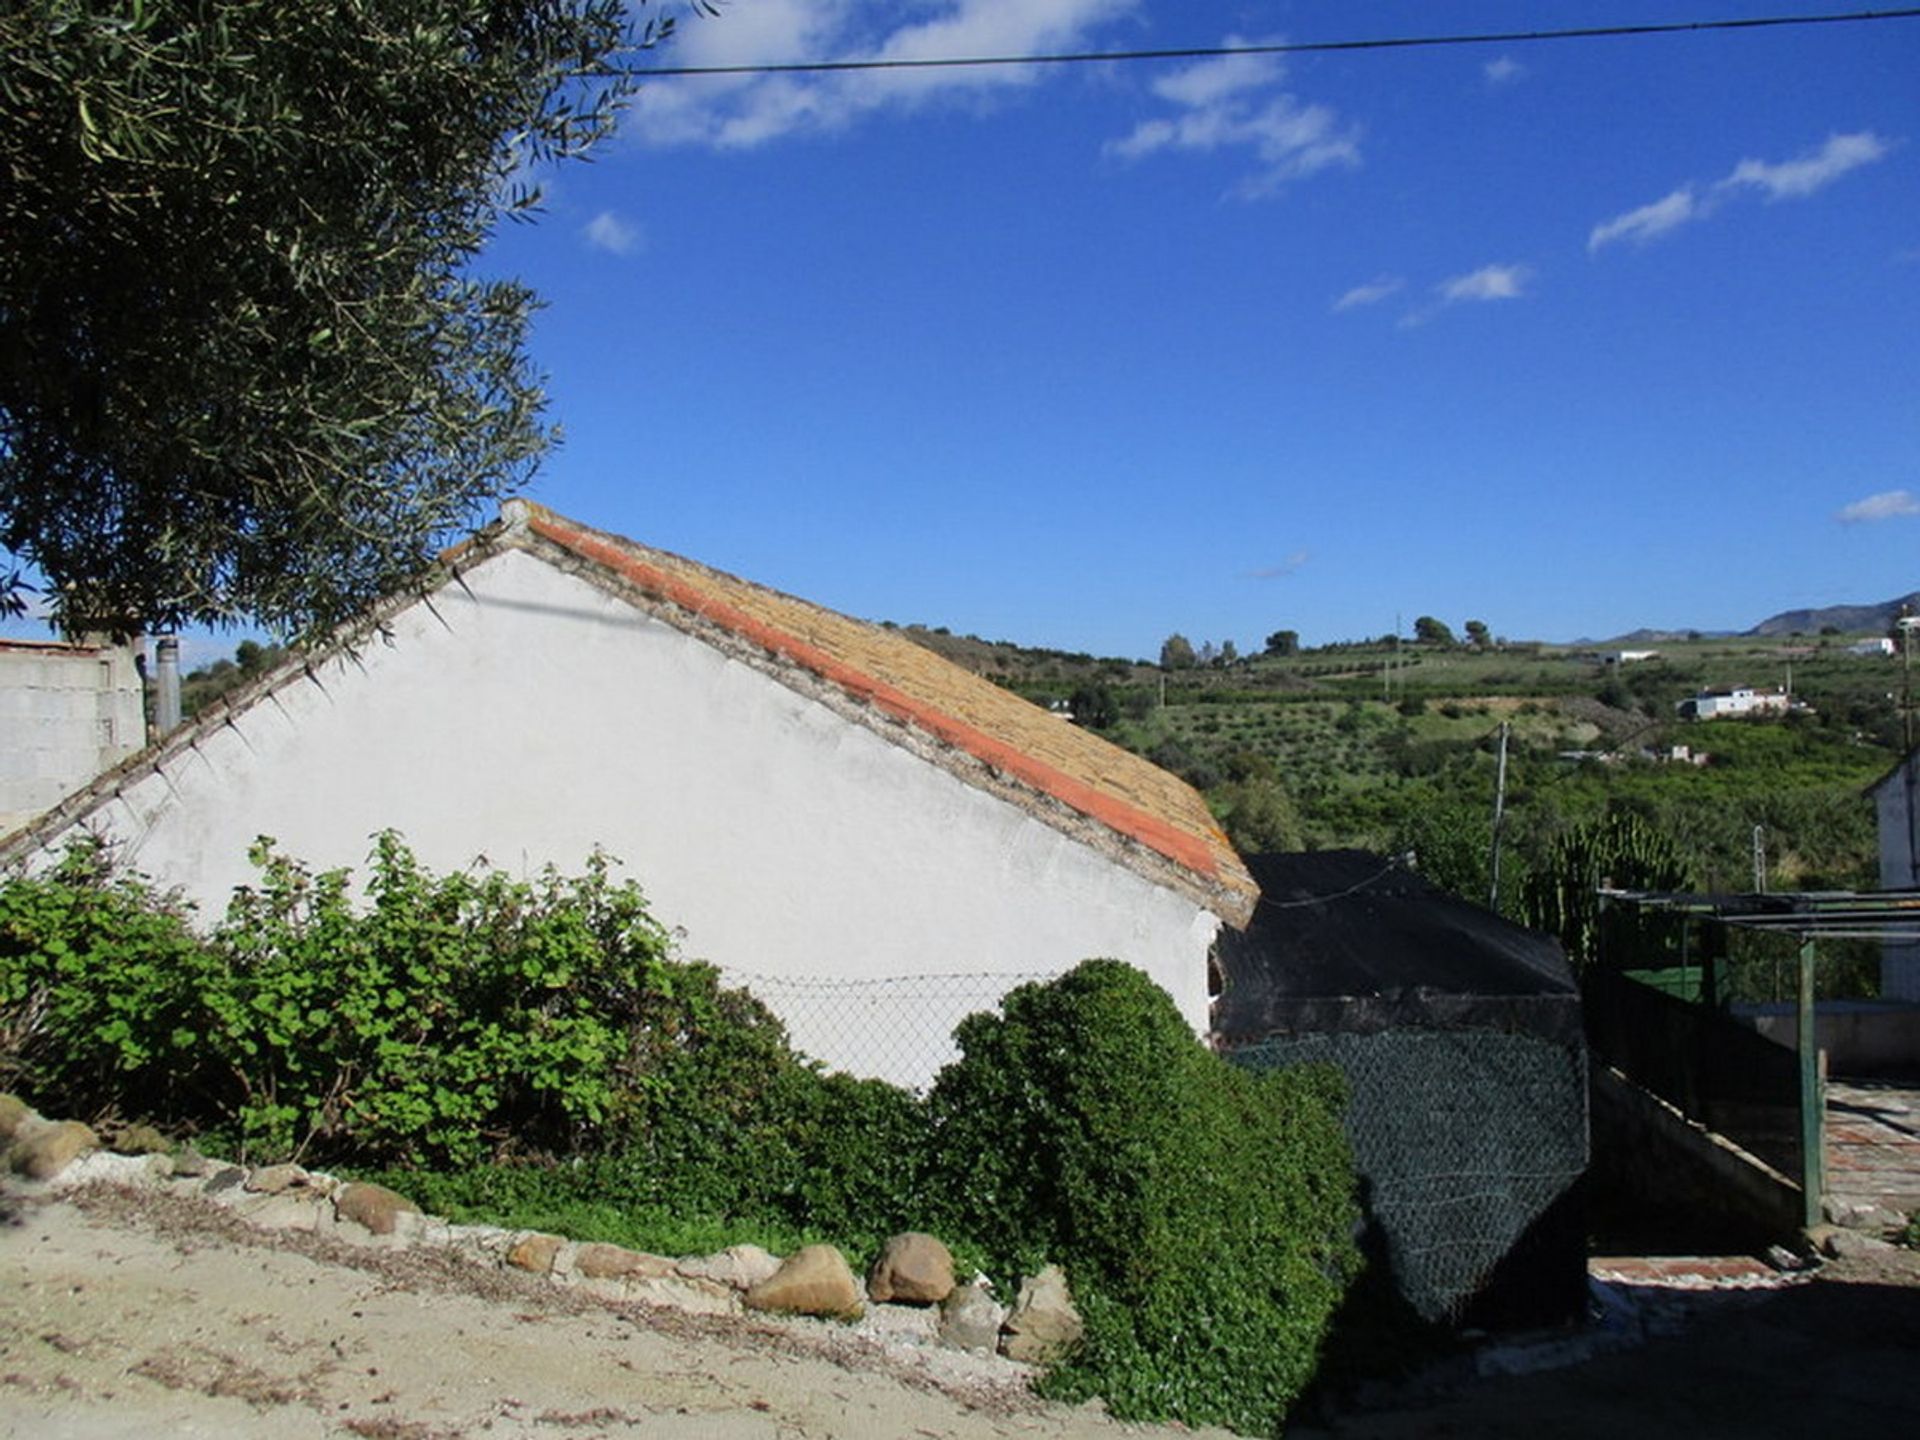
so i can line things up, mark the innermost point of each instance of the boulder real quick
(970, 1319)
(41, 1149)
(373, 1206)
(740, 1267)
(277, 1179)
(13, 1111)
(1044, 1323)
(814, 1280)
(140, 1140)
(535, 1252)
(913, 1269)
(597, 1261)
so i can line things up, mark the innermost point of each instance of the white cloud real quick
(1279, 572)
(1503, 71)
(1648, 221)
(1232, 103)
(1489, 282)
(607, 231)
(1371, 293)
(741, 111)
(1887, 505)
(1788, 180)
(1798, 178)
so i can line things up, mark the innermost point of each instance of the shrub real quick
(1203, 1212)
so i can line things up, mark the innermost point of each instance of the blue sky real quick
(1571, 337)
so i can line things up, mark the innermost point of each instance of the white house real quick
(1740, 700)
(1872, 648)
(67, 712)
(1896, 802)
(817, 802)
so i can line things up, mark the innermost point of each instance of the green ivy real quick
(1204, 1213)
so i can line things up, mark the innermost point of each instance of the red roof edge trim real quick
(1158, 835)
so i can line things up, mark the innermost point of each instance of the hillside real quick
(1843, 619)
(1395, 749)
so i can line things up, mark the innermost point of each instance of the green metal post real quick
(1813, 1099)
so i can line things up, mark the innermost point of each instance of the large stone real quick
(913, 1269)
(696, 1297)
(1044, 1324)
(277, 1179)
(140, 1140)
(970, 1320)
(597, 1261)
(740, 1267)
(41, 1149)
(535, 1252)
(14, 1111)
(814, 1280)
(375, 1207)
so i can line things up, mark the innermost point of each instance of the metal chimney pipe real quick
(166, 684)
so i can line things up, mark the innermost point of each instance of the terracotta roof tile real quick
(879, 668)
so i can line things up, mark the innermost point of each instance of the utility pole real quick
(1759, 859)
(1907, 623)
(1499, 813)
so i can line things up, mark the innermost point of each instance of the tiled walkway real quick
(1873, 1143)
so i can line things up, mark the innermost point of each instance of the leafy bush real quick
(1203, 1213)
(97, 979)
(445, 1019)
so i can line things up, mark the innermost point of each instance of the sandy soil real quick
(127, 1314)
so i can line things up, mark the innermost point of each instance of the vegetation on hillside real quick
(1393, 744)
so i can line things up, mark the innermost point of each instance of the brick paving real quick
(1873, 1144)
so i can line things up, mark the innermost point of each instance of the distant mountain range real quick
(1847, 619)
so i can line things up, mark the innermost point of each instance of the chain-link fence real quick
(1463, 1140)
(896, 1028)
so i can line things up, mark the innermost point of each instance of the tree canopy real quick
(244, 368)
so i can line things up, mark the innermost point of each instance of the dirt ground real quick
(148, 1315)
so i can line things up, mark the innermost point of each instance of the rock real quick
(276, 1179)
(223, 1182)
(41, 1149)
(286, 1210)
(1854, 1245)
(105, 1168)
(373, 1206)
(913, 1269)
(597, 1261)
(189, 1163)
(535, 1252)
(970, 1320)
(1044, 1324)
(14, 1110)
(740, 1266)
(140, 1140)
(814, 1280)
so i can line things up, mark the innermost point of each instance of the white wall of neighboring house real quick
(535, 717)
(67, 712)
(1897, 807)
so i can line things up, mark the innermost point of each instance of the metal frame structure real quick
(1889, 916)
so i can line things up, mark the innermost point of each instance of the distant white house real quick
(1872, 648)
(1740, 700)
(816, 802)
(1628, 657)
(1896, 803)
(67, 712)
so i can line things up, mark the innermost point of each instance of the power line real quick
(1290, 47)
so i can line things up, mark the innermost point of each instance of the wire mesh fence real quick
(895, 1028)
(1463, 1140)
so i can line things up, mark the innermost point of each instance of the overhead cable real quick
(1277, 47)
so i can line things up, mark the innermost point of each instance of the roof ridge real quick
(1203, 852)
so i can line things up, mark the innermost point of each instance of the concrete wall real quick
(1861, 1038)
(535, 717)
(67, 712)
